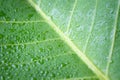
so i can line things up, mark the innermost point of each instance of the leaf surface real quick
(62, 39)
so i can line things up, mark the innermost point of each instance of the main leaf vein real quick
(67, 40)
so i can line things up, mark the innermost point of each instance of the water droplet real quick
(111, 11)
(41, 61)
(33, 78)
(15, 10)
(52, 75)
(6, 73)
(47, 59)
(14, 66)
(14, 19)
(45, 73)
(5, 47)
(21, 65)
(23, 46)
(7, 18)
(8, 77)
(2, 78)
(50, 48)
(62, 65)
(49, 4)
(2, 61)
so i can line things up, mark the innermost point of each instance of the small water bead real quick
(15, 10)
(21, 65)
(14, 19)
(7, 73)
(48, 59)
(8, 77)
(63, 65)
(41, 61)
(111, 11)
(1, 55)
(50, 48)
(2, 77)
(13, 65)
(33, 78)
(7, 18)
(41, 72)
(2, 61)
(2, 68)
(45, 73)
(52, 75)
(27, 69)
(5, 46)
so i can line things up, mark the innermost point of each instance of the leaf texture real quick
(59, 39)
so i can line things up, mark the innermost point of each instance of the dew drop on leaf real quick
(41, 72)
(62, 65)
(2, 61)
(5, 47)
(41, 61)
(33, 78)
(1, 77)
(14, 19)
(15, 10)
(111, 11)
(47, 59)
(52, 75)
(14, 66)
(45, 73)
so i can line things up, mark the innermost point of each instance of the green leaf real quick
(59, 39)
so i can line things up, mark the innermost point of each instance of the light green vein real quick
(91, 27)
(113, 40)
(21, 21)
(71, 15)
(28, 43)
(69, 42)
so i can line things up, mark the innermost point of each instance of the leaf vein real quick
(66, 39)
(91, 28)
(71, 15)
(113, 40)
(29, 43)
(22, 21)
